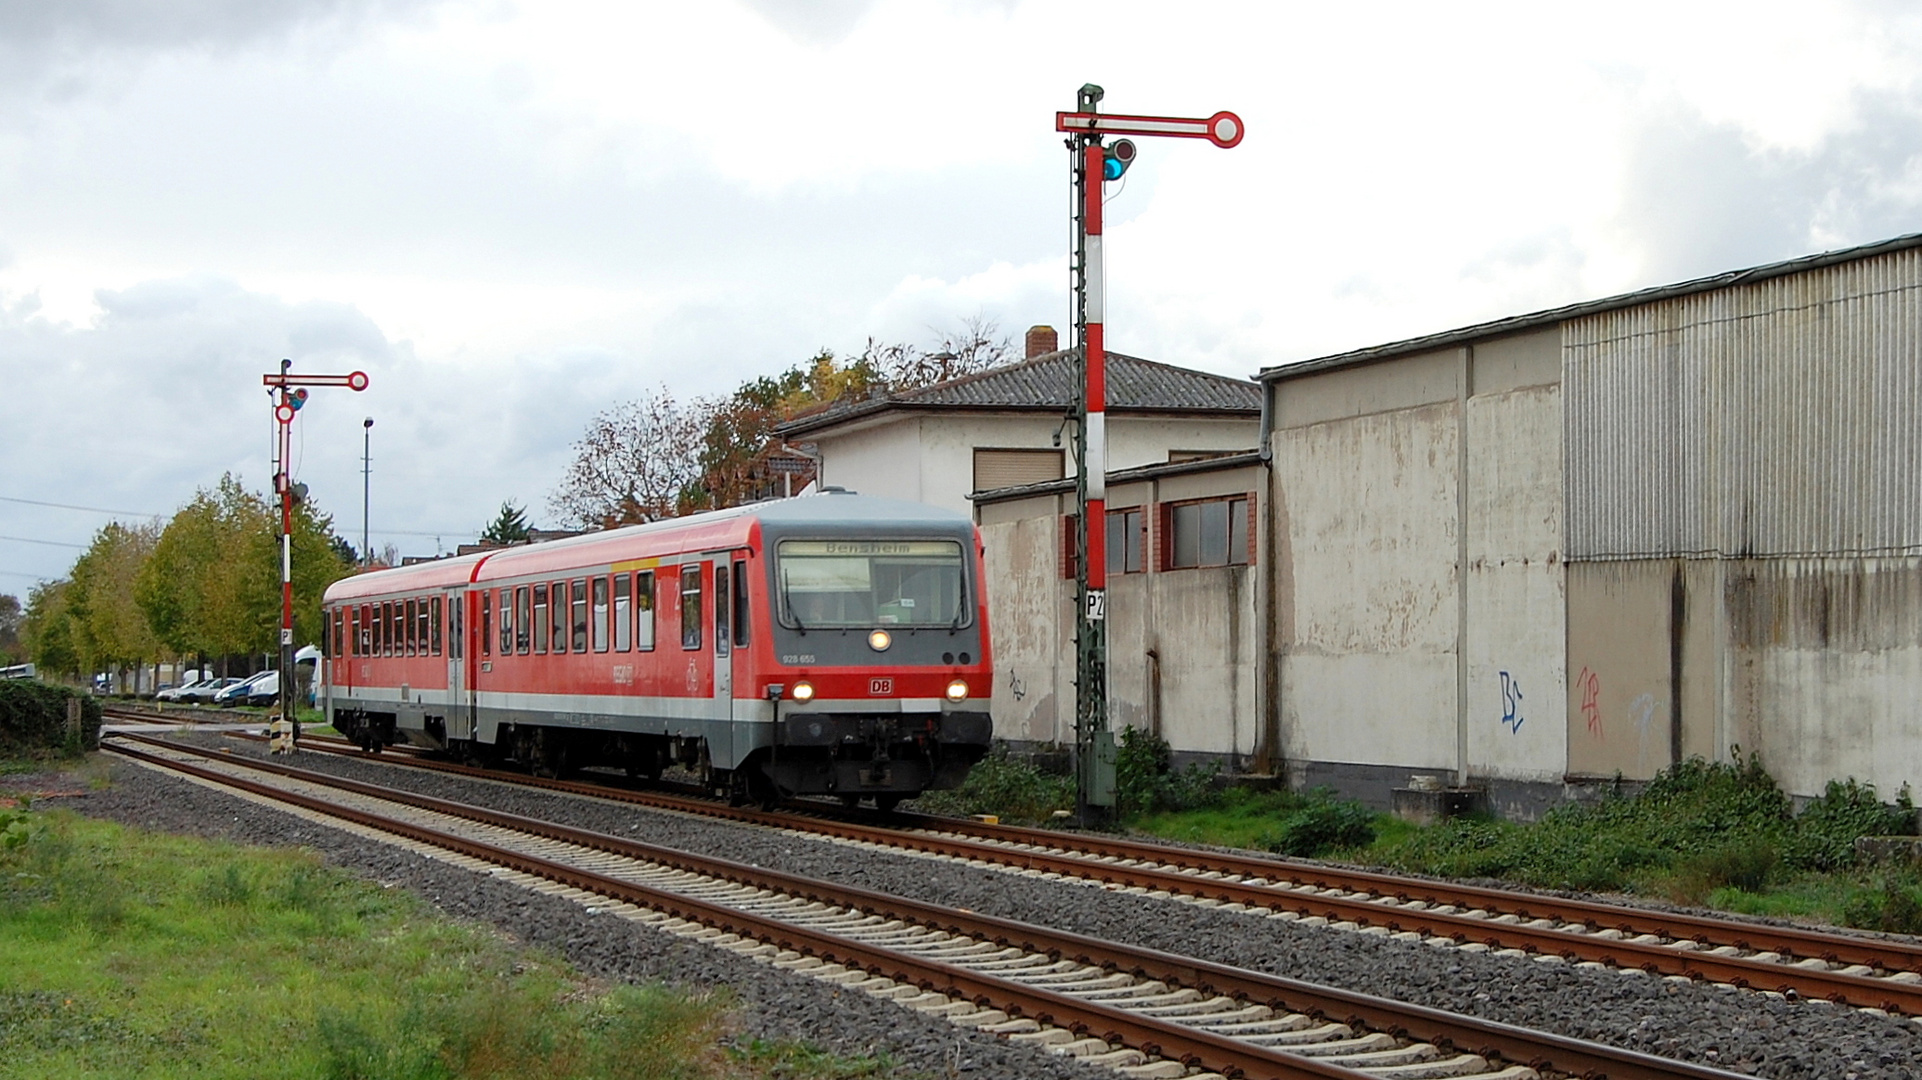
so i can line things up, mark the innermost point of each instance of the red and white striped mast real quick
(1094, 165)
(289, 393)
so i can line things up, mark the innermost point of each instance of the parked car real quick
(264, 689)
(203, 693)
(173, 693)
(238, 692)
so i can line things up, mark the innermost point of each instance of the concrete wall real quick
(1184, 645)
(929, 457)
(1418, 579)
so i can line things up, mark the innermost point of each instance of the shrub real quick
(1146, 781)
(1006, 786)
(1893, 904)
(1321, 824)
(1827, 827)
(33, 720)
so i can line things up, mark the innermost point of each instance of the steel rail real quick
(1840, 988)
(1489, 1038)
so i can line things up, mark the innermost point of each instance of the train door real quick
(748, 704)
(722, 709)
(472, 628)
(460, 709)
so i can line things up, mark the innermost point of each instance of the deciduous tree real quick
(633, 464)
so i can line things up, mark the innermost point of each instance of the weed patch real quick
(125, 953)
(1006, 786)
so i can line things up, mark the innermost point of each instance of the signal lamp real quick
(1116, 157)
(804, 692)
(879, 640)
(958, 691)
(298, 398)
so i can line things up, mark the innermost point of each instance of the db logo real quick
(880, 686)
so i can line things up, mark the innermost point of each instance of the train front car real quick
(877, 667)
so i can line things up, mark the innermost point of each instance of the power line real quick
(18, 573)
(89, 509)
(49, 543)
(144, 514)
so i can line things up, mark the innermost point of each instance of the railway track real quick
(1793, 962)
(1144, 1013)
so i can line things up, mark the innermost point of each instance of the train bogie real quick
(832, 644)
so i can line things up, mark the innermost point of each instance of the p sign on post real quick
(1095, 163)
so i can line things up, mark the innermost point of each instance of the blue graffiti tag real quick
(1511, 703)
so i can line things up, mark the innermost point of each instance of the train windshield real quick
(837, 584)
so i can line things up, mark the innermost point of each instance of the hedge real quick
(33, 720)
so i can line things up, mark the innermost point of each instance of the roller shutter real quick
(995, 469)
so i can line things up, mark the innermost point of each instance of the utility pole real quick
(1094, 164)
(290, 392)
(366, 484)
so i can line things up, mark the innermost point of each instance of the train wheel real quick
(850, 801)
(887, 803)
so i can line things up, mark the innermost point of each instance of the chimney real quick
(1042, 339)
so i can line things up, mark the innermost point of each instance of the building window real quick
(995, 469)
(623, 626)
(644, 611)
(1125, 541)
(1211, 533)
(691, 605)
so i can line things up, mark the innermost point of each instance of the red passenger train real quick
(829, 644)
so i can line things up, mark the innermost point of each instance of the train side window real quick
(722, 608)
(383, 629)
(433, 623)
(420, 627)
(523, 622)
(455, 605)
(644, 611)
(740, 604)
(397, 630)
(578, 593)
(415, 646)
(486, 624)
(365, 633)
(623, 625)
(504, 611)
(560, 616)
(690, 605)
(541, 625)
(600, 614)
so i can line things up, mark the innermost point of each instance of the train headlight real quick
(958, 691)
(879, 640)
(804, 692)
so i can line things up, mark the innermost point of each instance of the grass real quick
(128, 953)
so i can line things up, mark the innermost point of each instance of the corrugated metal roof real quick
(1052, 382)
(1517, 323)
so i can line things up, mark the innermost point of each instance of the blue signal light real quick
(1116, 157)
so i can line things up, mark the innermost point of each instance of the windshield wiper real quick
(787, 601)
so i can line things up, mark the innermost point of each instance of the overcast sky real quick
(514, 214)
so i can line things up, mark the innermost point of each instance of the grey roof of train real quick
(1051, 383)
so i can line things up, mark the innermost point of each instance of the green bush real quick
(1827, 828)
(33, 720)
(1893, 904)
(1146, 780)
(1321, 824)
(1005, 786)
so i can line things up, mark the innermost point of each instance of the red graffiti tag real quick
(1591, 685)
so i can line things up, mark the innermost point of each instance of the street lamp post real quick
(290, 392)
(1094, 164)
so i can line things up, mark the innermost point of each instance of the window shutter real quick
(994, 469)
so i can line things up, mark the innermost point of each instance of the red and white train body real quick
(830, 644)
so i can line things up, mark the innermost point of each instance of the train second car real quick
(832, 644)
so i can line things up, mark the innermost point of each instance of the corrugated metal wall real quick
(1780, 418)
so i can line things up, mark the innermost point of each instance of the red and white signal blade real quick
(1224, 128)
(356, 381)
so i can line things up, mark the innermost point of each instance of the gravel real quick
(774, 1004)
(1741, 1032)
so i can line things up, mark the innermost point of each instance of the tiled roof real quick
(1051, 383)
